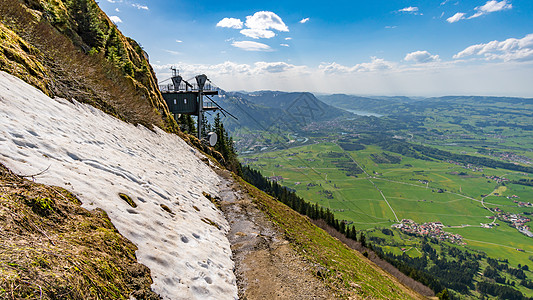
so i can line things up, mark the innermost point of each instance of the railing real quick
(210, 105)
(184, 87)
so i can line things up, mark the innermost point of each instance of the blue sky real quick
(414, 48)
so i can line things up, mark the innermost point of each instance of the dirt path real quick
(266, 265)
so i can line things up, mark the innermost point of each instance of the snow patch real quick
(180, 234)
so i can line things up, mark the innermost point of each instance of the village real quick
(431, 229)
(497, 178)
(466, 166)
(514, 220)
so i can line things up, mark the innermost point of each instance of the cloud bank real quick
(511, 49)
(489, 7)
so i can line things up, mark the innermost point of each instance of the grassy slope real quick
(344, 270)
(51, 248)
(72, 50)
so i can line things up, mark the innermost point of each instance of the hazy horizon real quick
(409, 48)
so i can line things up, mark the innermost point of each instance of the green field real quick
(433, 160)
(421, 190)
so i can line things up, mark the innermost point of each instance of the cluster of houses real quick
(275, 178)
(509, 156)
(431, 229)
(497, 178)
(489, 225)
(523, 204)
(466, 166)
(517, 221)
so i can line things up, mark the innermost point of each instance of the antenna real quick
(175, 71)
(212, 138)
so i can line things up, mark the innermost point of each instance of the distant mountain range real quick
(398, 104)
(369, 104)
(264, 110)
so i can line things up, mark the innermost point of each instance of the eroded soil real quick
(266, 265)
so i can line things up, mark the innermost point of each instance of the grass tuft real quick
(166, 208)
(127, 199)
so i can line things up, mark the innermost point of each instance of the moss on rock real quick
(51, 248)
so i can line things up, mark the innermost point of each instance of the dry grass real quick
(67, 71)
(51, 248)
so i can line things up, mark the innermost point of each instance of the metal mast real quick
(200, 80)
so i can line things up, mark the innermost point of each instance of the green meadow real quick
(421, 190)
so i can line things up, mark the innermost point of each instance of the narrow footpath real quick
(266, 265)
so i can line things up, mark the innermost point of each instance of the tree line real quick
(289, 198)
(432, 269)
(428, 153)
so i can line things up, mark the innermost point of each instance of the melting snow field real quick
(96, 157)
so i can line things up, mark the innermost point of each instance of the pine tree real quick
(225, 146)
(362, 239)
(186, 124)
(206, 127)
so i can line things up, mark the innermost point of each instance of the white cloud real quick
(251, 46)
(230, 23)
(173, 52)
(139, 6)
(421, 57)
(491, 6)
(258, 33)
(409, 9)
(117, 10)
(260, 23)
(390, 27)
(376, 64)
(274, 67)
(288, 38)
(509, 50)
(457, 17)
(232, 69)
(284, 45)
(179, 41)
(115, 19)
(304, 20)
